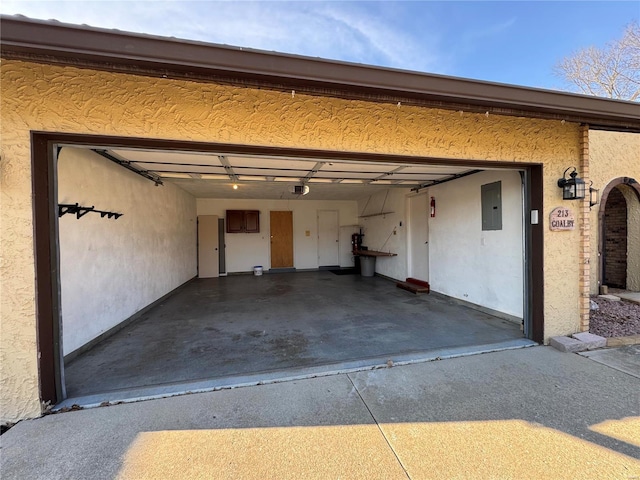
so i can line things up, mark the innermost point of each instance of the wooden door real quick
(281, 239)
(328, 238)
(208, 257)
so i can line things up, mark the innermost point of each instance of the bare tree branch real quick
(612, 71)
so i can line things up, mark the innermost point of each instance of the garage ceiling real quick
(209, 175)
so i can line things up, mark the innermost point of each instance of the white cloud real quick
(375, 35)
(492, 30)
(356, 32)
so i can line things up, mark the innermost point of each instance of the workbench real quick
(373, 253)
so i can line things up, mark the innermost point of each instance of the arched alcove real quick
(619, 239)
(614, 269)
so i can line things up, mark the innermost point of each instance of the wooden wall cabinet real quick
(243, 221)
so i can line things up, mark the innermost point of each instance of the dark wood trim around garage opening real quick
(46, 263)
(536, 256)
(46, 243)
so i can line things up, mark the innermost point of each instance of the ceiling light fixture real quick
(235, 187)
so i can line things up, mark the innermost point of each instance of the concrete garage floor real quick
(244, 325)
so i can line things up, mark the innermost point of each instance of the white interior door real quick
(328, 238)
(208, 259)
(419, 237)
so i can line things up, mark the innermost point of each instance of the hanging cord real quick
(365, 206)
(385, 202)
(385, 242)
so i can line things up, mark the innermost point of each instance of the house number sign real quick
(561, 218)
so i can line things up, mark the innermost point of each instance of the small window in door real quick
(491, 200)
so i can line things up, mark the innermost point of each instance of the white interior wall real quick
(379, 229)
(482, 267)
(110, 269)
(246, 250)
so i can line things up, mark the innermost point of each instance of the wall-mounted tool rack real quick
(80, 211)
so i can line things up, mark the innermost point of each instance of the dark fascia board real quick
(113, 50)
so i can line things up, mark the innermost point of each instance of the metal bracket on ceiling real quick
(228, 168)
(127, 164)
(445, 180)
(313, 171)
(386, 175)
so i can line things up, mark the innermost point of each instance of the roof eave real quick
(54, 42)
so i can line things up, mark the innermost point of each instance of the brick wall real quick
(615, 240)
(585, 233)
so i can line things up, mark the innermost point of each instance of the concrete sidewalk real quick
(528, 413)
(626, 295)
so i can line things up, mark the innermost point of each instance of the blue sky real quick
(509, 42)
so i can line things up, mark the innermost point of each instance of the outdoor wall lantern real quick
(572, 188)
(594, 195)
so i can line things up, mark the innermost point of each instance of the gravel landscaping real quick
(614, 318)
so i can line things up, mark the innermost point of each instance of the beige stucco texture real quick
(614, 155)
(67, 99)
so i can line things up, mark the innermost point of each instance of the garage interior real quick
(144, 305)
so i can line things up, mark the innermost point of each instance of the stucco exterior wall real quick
(633, 238)
(613, 155)
(69, 99)
(111, 269)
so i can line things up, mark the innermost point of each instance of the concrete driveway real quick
(528, 413)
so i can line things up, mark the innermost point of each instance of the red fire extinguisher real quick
(433, 207)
